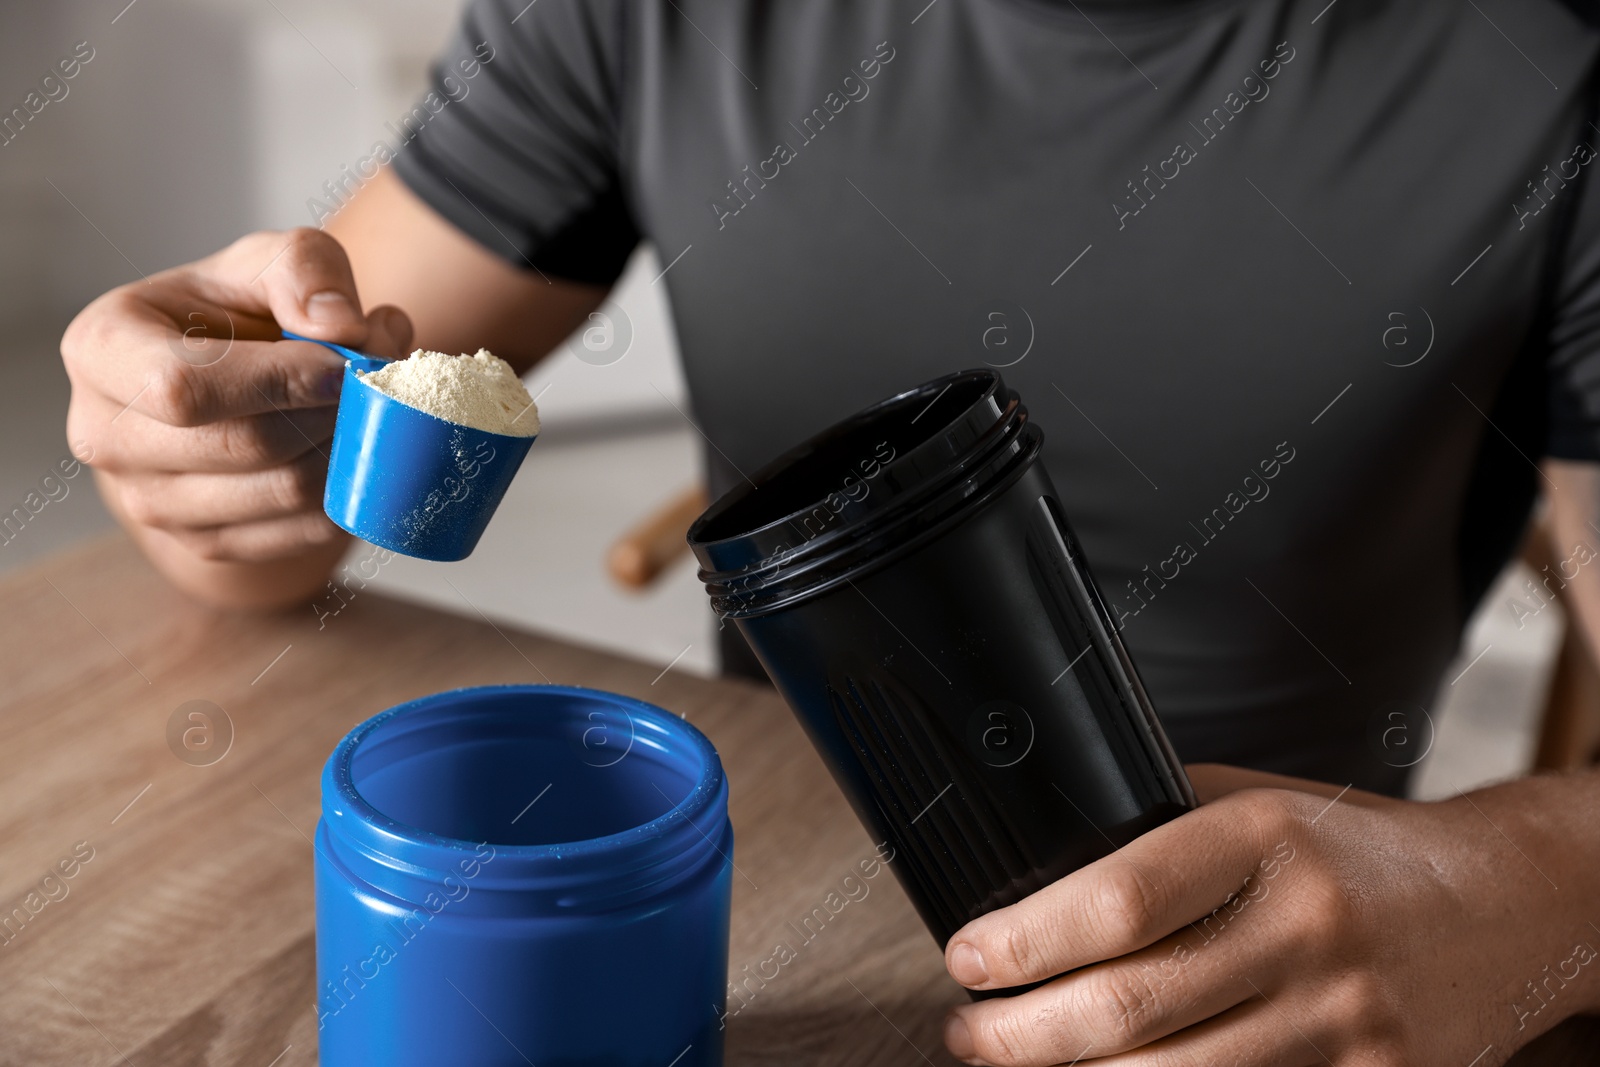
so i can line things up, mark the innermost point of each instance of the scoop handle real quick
(358, 358)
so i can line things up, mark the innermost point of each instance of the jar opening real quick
(510, 775)
(545, 773)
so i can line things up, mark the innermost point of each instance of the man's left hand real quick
(1286, 923)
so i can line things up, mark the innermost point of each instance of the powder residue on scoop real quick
(481, 391)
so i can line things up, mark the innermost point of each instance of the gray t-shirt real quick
(1298, 291)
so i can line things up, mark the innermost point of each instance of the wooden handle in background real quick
(638, 557)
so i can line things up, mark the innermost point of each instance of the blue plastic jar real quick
(513, 874)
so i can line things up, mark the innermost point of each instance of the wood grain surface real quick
(186, 938)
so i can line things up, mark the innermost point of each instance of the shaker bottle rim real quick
(837, 507)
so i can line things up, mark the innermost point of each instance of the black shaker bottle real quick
(911, 586)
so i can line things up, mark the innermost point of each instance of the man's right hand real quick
(208, 433)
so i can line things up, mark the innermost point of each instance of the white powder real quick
(480, 391)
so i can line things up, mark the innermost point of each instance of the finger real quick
(1108, 1012)
(300, 278)
(269, 374)
(1256, 1033)
(200, 501)
(1130, 1001)
(262, 375)
(161, 345)
(1147, 889)
(137, 354)
(257, 542)
(125, 441)
(258, 377)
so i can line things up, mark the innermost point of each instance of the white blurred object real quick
(1492, 698)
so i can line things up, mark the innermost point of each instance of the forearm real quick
(1543, 858)
(460, 296)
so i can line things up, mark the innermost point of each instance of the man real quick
(1299, 292)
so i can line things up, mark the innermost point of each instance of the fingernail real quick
(332, 383)
(966, 965)
(328, 307)
(958, 1039)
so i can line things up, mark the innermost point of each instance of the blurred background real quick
(196, 121)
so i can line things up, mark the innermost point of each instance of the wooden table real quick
(187, 937)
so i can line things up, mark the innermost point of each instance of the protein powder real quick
(481, 391)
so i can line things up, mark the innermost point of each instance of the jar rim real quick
(368, 836)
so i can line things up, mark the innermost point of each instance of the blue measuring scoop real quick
(406, 480)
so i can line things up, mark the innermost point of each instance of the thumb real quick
(300, 278)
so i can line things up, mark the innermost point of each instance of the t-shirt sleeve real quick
(517, 143)
(1573, 365)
